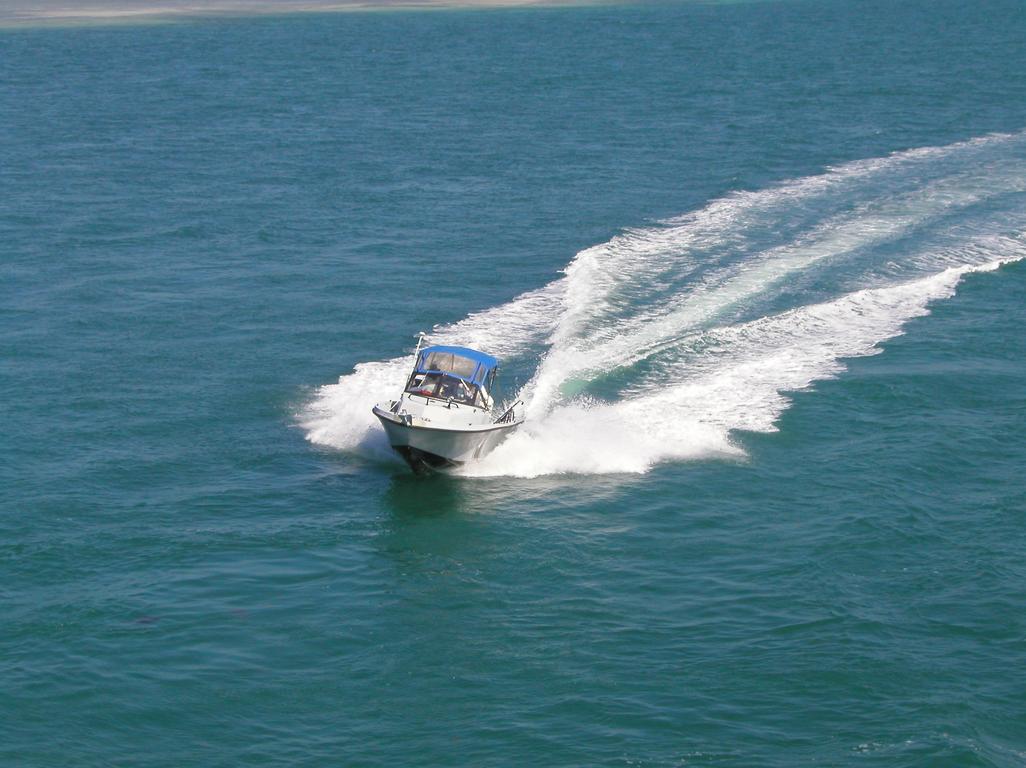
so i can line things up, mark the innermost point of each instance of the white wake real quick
(708, 319)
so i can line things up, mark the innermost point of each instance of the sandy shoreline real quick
(16, 13)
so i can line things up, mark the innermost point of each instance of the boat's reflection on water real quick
(432, 495)
(441, 494)
(438, 527)
(455, 526)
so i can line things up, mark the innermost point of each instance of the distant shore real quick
(75, 12)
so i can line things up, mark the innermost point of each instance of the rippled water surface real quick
(757, 268)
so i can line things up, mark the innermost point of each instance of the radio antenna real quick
(420, 340)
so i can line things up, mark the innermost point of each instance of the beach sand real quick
(61, 12)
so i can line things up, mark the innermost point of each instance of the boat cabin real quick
(458, 374)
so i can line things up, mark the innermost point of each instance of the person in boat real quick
(455, 389)
(443, 387)
(426, 385)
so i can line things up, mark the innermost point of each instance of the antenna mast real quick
(420, 340)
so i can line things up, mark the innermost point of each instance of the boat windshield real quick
(446, 387)
(460, 374)
(449, 362)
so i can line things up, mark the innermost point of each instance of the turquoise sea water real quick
(757, 265)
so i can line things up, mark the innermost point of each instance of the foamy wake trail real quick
(700, 317)
(739, 386)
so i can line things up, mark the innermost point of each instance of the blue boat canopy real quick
(467, 364)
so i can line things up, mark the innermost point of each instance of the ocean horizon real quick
(29, 14)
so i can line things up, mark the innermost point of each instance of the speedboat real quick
(445, 416)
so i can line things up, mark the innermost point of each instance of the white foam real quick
(741, 386)
(579, 351)
(340, 414)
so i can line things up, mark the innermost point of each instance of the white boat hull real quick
(429, 447)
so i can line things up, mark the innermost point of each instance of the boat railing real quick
(508, 415)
